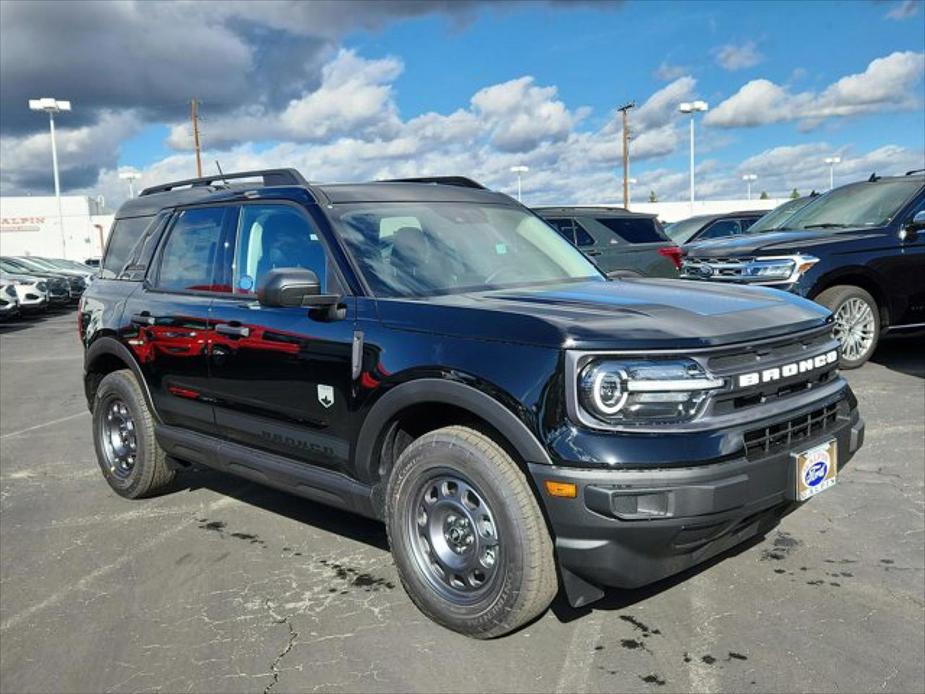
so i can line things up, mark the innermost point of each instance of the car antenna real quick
(873, 178)
(222, 174)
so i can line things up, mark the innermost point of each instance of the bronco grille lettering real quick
(754, 378)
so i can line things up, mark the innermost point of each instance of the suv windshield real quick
(417, 249)
(681, 232)
(776, 218)
(868, 204)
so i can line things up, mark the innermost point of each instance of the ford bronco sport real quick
(432, 354)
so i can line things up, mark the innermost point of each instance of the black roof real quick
(598, 211)
(224, 186)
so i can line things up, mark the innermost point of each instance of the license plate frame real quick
(816, 469)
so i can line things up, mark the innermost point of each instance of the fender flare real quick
(106, 345)
(449, 393)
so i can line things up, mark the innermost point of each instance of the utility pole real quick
(194, 114)
(626, 152)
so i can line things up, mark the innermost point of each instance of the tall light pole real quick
(51, 107)
(627, 182)
(624, 109)
(519, 170)
(693, 107)
(832, 161)
(748, 178)
(131, 176)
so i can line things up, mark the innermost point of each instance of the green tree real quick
(794, 194)
(652, 196)
(764, 195)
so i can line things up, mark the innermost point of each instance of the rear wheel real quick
(129, 456)
(857, 323)
(468, 538)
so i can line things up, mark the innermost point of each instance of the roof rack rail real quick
(915, 171)
(271, 177)
(460, 181)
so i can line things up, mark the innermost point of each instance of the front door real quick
(281, 377)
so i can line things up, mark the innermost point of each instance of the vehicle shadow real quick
(313, 513)
(903, 353)
(21, 322)
(620, 599)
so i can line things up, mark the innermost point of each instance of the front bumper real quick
(630, 527)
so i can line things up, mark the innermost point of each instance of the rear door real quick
(281, 377)
(629, 243)
(165, 321)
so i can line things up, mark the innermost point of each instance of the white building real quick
(675, 211)
(30, 225)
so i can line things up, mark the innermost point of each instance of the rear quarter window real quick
(122, 239)
(633, 230)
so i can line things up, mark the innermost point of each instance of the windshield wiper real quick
(826, 225)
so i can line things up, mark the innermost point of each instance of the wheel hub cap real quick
(854, 328)
(454, 538)
(120, 445)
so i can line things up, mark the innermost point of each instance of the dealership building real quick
(30, 225)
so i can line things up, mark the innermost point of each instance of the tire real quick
(857, 323)
(134, 466)
(520, 579)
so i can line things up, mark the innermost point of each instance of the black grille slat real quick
(783, 435)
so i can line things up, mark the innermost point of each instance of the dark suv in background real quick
(434, 355)
(711, 226)
(858, 250)
(619, 242)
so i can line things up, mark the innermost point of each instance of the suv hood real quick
(624, 314)
(776, 242)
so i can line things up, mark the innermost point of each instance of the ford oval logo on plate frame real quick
(816, 469)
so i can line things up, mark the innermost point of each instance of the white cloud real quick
(904, 10)
(733, 57)
(887, 84)
(667, 72)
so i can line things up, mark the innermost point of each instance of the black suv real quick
(621, 243)
(432, 354)
(858, 250)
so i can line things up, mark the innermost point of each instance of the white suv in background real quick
(31, 292)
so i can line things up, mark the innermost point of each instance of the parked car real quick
(85, 271)
(712, 226)
(31, 292)
(619, 242)
(434, 355)
(778, 217)
(9, 302)
(75, 280)
(858, 250)
(58, 286)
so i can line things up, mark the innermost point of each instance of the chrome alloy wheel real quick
(117, 435)
(454, 538)
(854, 328)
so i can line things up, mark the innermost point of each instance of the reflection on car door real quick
(281, 377)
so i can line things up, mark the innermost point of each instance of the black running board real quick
(301, 479)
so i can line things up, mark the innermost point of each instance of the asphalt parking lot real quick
(227, 586)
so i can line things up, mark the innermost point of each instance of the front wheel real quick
(857, 323)
(467, 535)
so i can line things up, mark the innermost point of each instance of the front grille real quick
(780, 436)
(715, 268)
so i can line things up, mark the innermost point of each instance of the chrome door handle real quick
(228, 329)
(143, 319)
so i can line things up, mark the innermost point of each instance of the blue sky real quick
(340, 89)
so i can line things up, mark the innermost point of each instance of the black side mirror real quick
(911, 229)
(293, 287)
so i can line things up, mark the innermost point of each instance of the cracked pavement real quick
(227, 586)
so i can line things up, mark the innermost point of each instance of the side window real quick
(275, 236)
(719, 229)
(746, 222)
(582, 237)
(124, 235)
(190, 254)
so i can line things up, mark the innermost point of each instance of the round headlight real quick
(607, 391)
